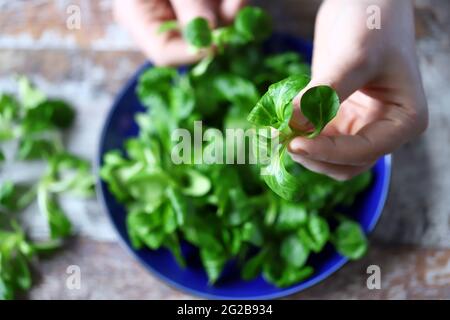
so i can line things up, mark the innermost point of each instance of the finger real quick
(337, 172)
(366, 146)
(167, 49)
(229, 9)
(345, 63)
(135, 11)
(298, 121)
(346, 81)
(186, 10)
(142, 19)
(345, 75)
(173, 51)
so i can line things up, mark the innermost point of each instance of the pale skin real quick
(142, 19)
(375, 73)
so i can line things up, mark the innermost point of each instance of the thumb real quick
(186, 10)
(229, 9)
(345, 77)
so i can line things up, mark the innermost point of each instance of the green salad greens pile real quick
(268, 223)
(32, 124)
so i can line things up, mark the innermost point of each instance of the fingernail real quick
(301, 152)
(295, 148)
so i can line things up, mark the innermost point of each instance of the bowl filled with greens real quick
(214, 220)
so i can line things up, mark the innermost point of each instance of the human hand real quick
(376, 75)
(143, 18)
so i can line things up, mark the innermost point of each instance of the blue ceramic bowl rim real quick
(387, 159)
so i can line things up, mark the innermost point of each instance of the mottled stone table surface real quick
(411, 244)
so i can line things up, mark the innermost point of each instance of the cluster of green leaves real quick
(227, 211)
(34, 124)
(15, 254)
(274, 111)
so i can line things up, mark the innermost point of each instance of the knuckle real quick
(419, 119)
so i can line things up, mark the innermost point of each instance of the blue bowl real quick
(120, 126)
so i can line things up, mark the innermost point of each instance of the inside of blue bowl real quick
(120, 125)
